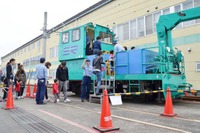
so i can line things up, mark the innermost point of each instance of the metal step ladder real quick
(108, 82)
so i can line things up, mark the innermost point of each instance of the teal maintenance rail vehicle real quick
(135, 71)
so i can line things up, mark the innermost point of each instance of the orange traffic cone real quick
(168, 110)
(106, 120)
(28, 91)
(34, 91)
(10, 102)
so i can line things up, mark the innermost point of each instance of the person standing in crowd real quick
(125, 48)
(55, 91)
(5, 89)
(133, 47)
(97, 45)
(21, 75)
(86, 82)
(117, 47)
(48, 65)
(10, 73)
(87, 43)
(41, 74)
(97, 62)
(63, 77)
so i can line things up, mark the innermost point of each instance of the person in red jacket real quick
(17, 89)
(55, 91)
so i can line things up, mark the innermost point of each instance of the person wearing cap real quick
(86, 82)
(117, 47)
(41, 75)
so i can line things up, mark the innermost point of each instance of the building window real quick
(196, 4)
(76, 35)
(156, 17)
(114, 30)
(133, 29)
(54, 52)
(198, 66)
(177, 8)
(166, 11)
(126, 31)
(149, 24)
(33, 45)
(106, 38)
(29, 47)
(120, 32)
(38, 44)
(140, 27)
(188, 5)
(65, 37)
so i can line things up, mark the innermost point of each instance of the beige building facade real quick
(133, 21)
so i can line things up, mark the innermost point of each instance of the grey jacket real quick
(97, 61)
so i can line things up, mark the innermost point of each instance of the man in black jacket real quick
(10, 72)
(63, 77)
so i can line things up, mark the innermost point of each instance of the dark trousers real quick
(22, 91)
(85, 88)
(5, 92)
(41, 89)
(46, 93)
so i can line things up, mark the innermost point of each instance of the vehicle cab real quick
(77, 43)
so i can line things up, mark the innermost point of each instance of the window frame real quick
(108, 34)
(79, 34)
(196, 65)
(68, 37)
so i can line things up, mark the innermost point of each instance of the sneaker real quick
(82, 100)
(22, 97)
(67, 100)
(58, 100)
(18, 97)
(48, 99)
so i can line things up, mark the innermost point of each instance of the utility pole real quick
(44, 34)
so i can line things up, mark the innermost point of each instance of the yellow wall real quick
(121, 11)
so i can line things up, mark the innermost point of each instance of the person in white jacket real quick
(48, 65)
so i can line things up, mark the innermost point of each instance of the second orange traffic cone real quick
(34, 91)
(105, 120)
(168, 110)
(28, 91)
(10, 102)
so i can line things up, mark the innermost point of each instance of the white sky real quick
(21, 20)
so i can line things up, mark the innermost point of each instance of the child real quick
(111, 58)
(17, 89)
(55, 91)
(112, 62)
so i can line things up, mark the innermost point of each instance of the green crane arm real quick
(167, 22)
(164, 27)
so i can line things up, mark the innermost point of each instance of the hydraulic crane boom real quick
(164, 27)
